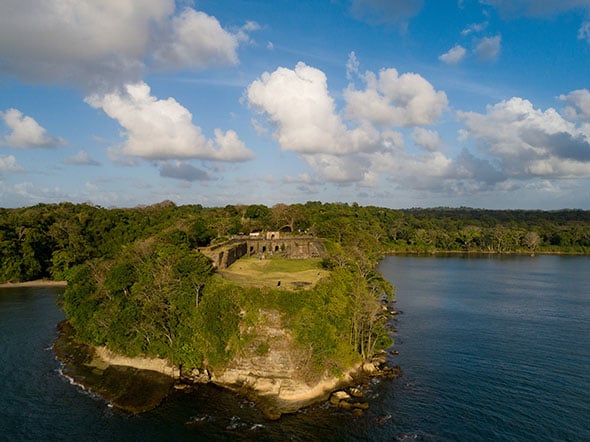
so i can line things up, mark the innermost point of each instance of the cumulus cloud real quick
(390, 99)
(8, 164)
(578, 104)
(428, 139)
(380, 11)
(529, 142)
(535, 8)
(426, 171)
(299, 106)
(82, 158)
(303, 114)
(340, 169)
(25, 132)
(83, 42)
(197, 40)
(454, 55)
(183, 171)
(489, 48)
(102, 45)
(163, 129)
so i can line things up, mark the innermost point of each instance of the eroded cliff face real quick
(275, 373)
(271, 370)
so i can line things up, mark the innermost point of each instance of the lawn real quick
(291, 273)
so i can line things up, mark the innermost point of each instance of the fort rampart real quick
(297, 247)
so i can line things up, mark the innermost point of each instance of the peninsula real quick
(281, 304)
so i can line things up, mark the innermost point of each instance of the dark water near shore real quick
(491, 349)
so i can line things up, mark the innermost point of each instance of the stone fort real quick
(263, 245)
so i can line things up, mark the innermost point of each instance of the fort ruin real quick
(292, 247)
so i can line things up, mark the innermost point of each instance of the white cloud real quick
(340, 169)
(352, 67)
(489, 48)
(8, 164)
(163, 129)
(395, 100)
(529, 142)
(474, 28)
(584, 32)
(81, 42)
(428, 139)
(424, 171)
(102, 45)
(82, 158)
(26, 132)
(454, 55)
(197, 40)
(299, 106)
(578, 104)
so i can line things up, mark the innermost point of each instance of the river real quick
(492, 348)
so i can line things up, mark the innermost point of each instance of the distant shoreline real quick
(35, 283)
(481, 252)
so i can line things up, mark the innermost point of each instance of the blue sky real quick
(399, 103)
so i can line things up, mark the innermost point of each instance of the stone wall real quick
(300, 247)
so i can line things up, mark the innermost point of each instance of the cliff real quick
(275, 373)
(271, 371)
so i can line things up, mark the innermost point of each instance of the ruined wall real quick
(232, 254)
(292, 248)
(224, 255)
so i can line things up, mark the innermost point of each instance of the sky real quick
(392, 103)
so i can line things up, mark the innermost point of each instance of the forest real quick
(47, 240)
(137, 284)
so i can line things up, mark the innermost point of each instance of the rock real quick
(379, 359)
(339, 396)
(357, 412)
(360, 405)
(356, 392)
(345, 405)
(369, 368)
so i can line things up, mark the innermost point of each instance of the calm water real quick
(491, 349)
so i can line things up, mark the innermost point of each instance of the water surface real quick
(491, 349)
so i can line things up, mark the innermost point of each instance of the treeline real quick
(45, 241)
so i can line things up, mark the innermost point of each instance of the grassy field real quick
(292, 273)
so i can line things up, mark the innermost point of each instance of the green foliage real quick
(137, 284)
(199, 233)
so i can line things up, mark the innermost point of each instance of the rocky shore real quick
(273, 381)
(130, 386)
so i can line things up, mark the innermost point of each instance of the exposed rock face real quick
(273, 373)
(144, 363)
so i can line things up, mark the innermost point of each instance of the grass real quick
(292, 273)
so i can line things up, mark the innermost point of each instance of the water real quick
(491, 349)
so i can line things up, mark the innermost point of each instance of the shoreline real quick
(474, 253)
(34, 283)
(142, 383)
